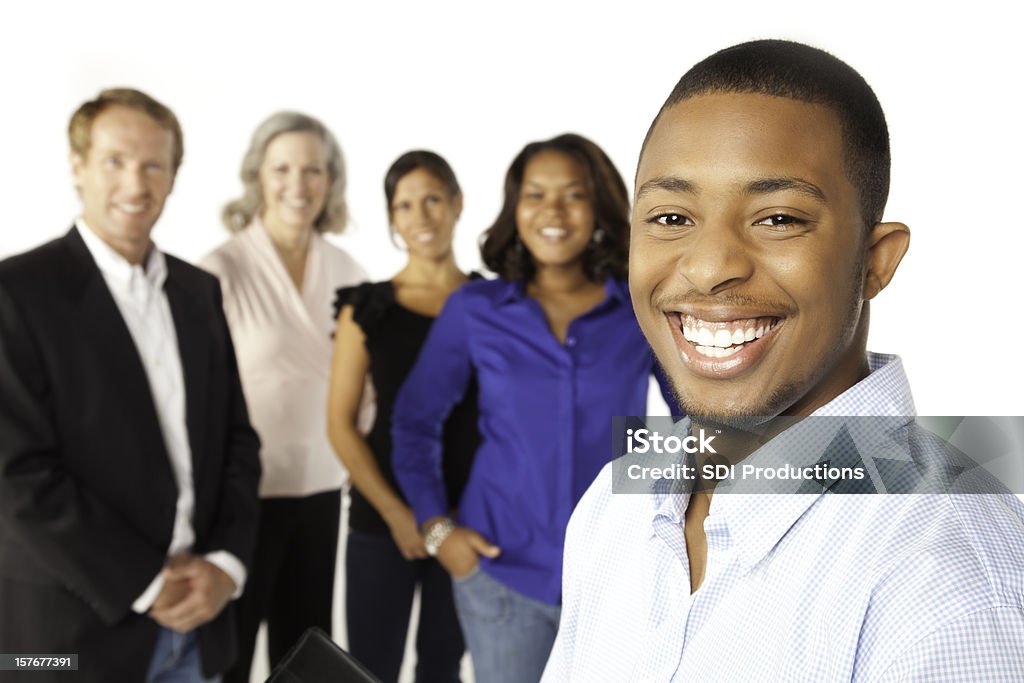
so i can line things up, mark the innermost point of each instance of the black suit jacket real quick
(87, 494)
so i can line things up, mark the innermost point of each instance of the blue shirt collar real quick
(515, 290)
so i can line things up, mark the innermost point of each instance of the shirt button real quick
(570, 341)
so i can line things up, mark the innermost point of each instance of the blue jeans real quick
(176, 659)
(509, 635)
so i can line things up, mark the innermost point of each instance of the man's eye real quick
(112, 162)
(671, 219)
(779, 220)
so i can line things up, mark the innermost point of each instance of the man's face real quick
(124, 178)
(747, 261)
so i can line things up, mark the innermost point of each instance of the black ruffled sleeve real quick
(369, 301)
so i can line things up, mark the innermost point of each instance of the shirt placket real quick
(567, 354)
(720, 574)
(666, 585)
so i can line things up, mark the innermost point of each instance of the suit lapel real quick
(193, 335)
(100, 322)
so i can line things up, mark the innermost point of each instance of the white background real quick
(475, 82)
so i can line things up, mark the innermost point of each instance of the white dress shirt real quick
(797, 587)
(139, 295)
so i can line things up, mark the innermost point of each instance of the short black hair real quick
(608, 255)
(782, 68)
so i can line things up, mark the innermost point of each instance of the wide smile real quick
(131, 208)
(724, 348)
(554, 234)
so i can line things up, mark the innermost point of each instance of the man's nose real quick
(716, 258)
(133, 179)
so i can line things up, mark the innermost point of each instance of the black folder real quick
(318, 659)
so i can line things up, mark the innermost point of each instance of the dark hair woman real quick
(556, 352)
(381, 328)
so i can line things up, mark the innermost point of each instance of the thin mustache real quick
(672, 301)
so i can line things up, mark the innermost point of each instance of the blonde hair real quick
(239, 213)
(80, 126)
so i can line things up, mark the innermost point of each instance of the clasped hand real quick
(195, 591)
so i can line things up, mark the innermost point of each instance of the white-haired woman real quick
(278, 276)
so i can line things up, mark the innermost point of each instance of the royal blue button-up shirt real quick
(545, 419)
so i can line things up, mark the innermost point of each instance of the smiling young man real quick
(757, 243)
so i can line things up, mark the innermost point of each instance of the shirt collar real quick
(116, 269)
(515, 290)
(757, 522)
(884, 392)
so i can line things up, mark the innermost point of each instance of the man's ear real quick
(458, 205)
(886, 245)
(77, 162)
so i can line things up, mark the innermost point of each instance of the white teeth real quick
(553, 232)
(132, 208)
(717, 351)
(424, 237)
(729, 340)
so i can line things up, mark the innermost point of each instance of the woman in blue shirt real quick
(556, 353)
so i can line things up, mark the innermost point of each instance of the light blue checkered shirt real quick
(813, 587)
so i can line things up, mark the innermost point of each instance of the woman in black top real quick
(381, 327)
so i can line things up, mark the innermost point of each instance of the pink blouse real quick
(283, 342)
